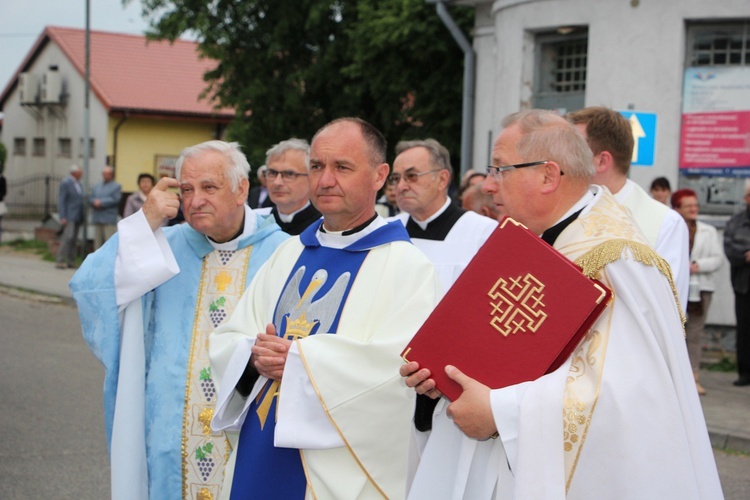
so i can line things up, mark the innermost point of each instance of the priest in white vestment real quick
(148, 300)
(308, 363)
(620, 418)
(610, 137)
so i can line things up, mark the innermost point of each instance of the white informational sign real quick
(715, 138)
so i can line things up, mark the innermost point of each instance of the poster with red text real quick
(715, 137)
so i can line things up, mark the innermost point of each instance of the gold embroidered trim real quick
(333, 422)
(202, 327)
(613, 250)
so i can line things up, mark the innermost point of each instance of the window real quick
(39, 147)
(19, 146)
(63, 147)
(721, 44)
(91, 148)
(562, 59)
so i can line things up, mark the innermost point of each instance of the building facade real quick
(144, 107)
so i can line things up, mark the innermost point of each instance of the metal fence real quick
(32, 197)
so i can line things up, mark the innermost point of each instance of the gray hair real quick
(439, 155)
(75, 168)
(237, 167)
(545, 135)
(289, 145)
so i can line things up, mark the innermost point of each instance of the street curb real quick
(23, 293)
(721, 440)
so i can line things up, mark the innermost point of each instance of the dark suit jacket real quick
(254, 195)
(70, 200)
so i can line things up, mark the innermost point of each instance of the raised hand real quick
(161, 203)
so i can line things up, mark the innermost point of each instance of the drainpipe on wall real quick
(114, 140)
(467, 108)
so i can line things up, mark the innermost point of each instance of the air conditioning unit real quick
(51, 87)
(27, 88)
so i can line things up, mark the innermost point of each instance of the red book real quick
(517, 311)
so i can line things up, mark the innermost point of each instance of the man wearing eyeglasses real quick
(308, 363)
(449, 235)
(286, 178)
(621, 417)
(610, 138)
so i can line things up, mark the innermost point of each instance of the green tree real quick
(290, 66)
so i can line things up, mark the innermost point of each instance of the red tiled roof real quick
(130, 73)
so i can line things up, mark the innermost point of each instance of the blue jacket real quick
(70, 200)
(109, 193)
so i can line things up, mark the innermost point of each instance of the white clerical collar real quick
(290, 217)
(424, 223)
(625, 192)
(339, 240)
(247, 230)
(587, 198)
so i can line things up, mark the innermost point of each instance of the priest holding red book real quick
(620, 417)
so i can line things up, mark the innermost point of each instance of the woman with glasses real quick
(705, 259)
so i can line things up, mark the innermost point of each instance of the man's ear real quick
(381, 171)
(242, 190)
(445, 178)
(603, 162)
(552, 177)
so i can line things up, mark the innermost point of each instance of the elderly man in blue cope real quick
(620, 418)
(148, 300)
(308, 363)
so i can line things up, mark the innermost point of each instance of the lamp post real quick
(86, 129)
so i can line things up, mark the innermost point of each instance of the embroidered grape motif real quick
(217, 313)
(205, 461)
(207, 384)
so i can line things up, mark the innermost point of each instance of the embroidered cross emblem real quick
(517, 305)
(222, 281)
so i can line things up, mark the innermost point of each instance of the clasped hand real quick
(269, 353)
(471, 412)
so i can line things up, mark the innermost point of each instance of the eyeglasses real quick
(409, 176)
(286, 175)
(496, 171)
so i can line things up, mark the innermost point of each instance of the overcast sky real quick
(21, 23)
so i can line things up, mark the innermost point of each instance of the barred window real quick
(63, 147)
(39, 146)
(562, 59)
(19, 146)
(719, 44)
(569, 74)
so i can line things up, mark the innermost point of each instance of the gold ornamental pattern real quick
(204, 452)
(517, 304)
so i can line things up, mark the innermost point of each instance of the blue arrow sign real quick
(644, 137)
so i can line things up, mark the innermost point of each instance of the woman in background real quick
(705, 259)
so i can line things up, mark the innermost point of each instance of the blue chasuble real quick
(311, 302)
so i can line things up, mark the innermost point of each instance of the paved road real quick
(51, 423)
